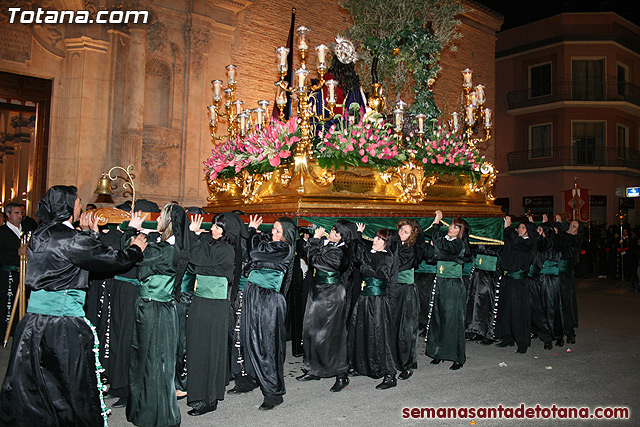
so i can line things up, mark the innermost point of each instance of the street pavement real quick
(599, 370)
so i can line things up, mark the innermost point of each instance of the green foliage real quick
(407, 37)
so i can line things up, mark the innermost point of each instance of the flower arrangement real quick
(260, 152)
(442, 151)
(358, 139)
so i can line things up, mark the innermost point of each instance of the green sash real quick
(373, 287)
(426, 268)
(485, 262)
(406, 277)
(188, 282)
(211, 287)
(534, 271)
(158, 287)
(564, 266)
(328, 277)
(449, 270)
(466, 268)
(550, 267)
(267, 278)
(242, 283)
(69, 302)
(128, 279)
(515, 274)
(10, 267)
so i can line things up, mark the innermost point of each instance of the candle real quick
(398, 114)
(467, 74)
(470, 109)
(264, 104)
(231, 74)
(302, 76)
(242, 122)
(331, 86)
(217, 90)
(302, 37)
(238, 105)
(281, 99)
(212, 115)
(473, 98)
(455, 121)
(228, 92)
(480, 93)
(401, 104)
(487, 117)
(259, 116)
(421, 118)
(282, 58)
(322, 55)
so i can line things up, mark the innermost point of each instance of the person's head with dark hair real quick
(408, 231)
(14, 214)
(380, 239)
(59, 204)
(345, 74)
(218, 228)
(284, 229)
(456, 229)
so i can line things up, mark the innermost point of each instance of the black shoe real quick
(239, 390)
(109, 395)
(388, 382)
(405, 375)
(120, 403)
(534, 335)
(181, 397)
(470, 336)
(548, 345)
(307, 377)
(505, 344)
(423, 333)
(521, 350)
(435, 361)
(342, 381)
(199, 408)
(270, 402)
(353, 373)
(486, 341)
(571, 339)
(560, 342)
(456, 366)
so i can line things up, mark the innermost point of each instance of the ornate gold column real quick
(133, 120)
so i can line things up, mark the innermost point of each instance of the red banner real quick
(576, 204)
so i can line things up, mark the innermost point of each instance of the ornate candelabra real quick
(474, 116)
(239, 121)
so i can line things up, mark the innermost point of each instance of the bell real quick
(104, 185)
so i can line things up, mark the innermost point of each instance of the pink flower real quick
(433, 161)
(350, 147)
(361, 151)
(365, 159)
(274, 161)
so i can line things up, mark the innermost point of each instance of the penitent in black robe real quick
(514, 310)
(405, 314)
(570, 247)
(371, 339)
(51, 377)
(208, 324)
(324, 331)
(445, 331)
(262, 323)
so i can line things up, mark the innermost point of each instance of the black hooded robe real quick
(483, 300)
(51, 377)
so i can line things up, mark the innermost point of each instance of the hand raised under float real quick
(255, 221)
(360, 226)
(140, 241)
(137, 219)
(319, 232)
(196, 223)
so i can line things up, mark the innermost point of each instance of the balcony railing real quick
(612, 90)
(573, 156)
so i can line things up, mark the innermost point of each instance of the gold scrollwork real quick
(250, 185)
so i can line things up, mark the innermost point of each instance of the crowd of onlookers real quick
(612, 252)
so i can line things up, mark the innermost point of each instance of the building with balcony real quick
(567, 107)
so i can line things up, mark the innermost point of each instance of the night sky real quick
(518, 13)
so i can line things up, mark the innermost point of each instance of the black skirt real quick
(370, 342)
(405, 326)
(264, 337)
(123, 314)
(324, 331)
(481, 303)
(207, 350)
(514, 312)
(51, 377)
(182, 307)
